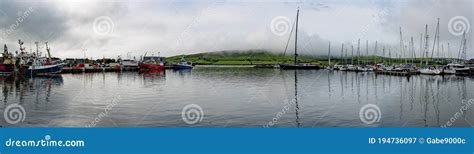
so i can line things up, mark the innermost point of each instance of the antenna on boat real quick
(47, 50)
(5, 49)
(37, 48)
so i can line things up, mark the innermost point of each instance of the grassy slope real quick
(253, 57)
(250, 57)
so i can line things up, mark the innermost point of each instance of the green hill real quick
(248, 57)
(254, 57)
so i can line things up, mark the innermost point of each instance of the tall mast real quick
(375, 53)
(389, 55)
(367, 51)
(412, 51)
(342, 51)
(426, 43)
(383, 55)
(352, 54)
(329, 53)
(358, 51)
(437, 40)
(401, 44)
(345, 57)
(421, 49)
(449, 53)
(296, 35)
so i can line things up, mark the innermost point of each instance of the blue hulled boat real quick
(183, 64)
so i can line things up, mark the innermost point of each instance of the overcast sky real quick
(122, 27)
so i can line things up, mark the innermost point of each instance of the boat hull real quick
(430, 71)
(463, 71)
(298, 67)
(6, 69)
(177, 66)
(150, 67)
(42, 70)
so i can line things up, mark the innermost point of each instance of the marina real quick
(238, 97)
(413, 86)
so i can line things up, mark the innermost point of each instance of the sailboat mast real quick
(342, 51)
(437, 41)
(383, 55)
(426, 43)
(375, 53)
(329, 53)
(401, 45)
(296, 35)
(358, 52)
(449, 53)
(352, 54)
(367, 51)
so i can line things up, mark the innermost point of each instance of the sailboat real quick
(459, 68)
(430, 70)
(330, 67)
(295, 64)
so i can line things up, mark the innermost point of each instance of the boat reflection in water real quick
(239, 97)
(153, 74)
(20, 87)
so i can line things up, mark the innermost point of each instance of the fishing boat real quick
(40, 65)
(7, 66)
(150, 63)
(295, 64)
(128, 64)
(183, 64)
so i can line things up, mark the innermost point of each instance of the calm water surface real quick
(238, 97)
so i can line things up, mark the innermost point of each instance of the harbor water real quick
(239, 97)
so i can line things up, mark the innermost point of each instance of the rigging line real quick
(289, 38)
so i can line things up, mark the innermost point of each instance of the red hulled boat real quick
(7, 66)
(151, 63)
